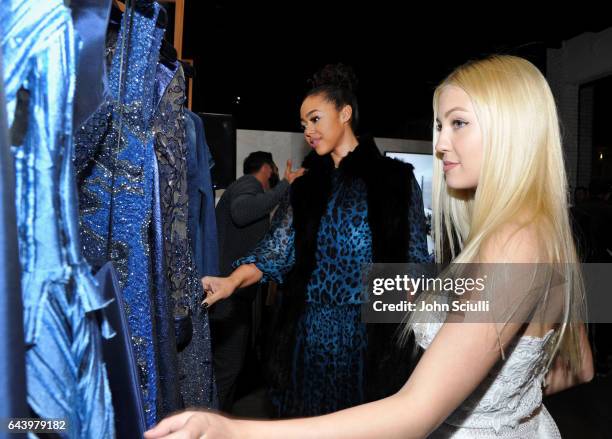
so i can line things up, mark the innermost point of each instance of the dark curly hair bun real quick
(338, 83)
(338, 75)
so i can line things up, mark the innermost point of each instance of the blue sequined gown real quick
(115, 162)
(328, 357)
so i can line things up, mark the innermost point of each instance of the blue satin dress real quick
(66, 377)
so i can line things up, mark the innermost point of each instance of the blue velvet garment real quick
(12, 349)
(327, 371)
(66, 377)
(115, 162)
(202, 222)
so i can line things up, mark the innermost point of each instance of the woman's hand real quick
(290, 174)
(561, 377)
(217, 288)
(196, 425)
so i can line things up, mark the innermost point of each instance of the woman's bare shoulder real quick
(513, 243)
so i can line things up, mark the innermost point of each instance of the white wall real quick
(284, 146)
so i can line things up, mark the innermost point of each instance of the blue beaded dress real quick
(115, 161)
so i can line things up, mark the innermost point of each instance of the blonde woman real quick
(499, 197)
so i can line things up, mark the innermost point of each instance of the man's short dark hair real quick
(255, 161)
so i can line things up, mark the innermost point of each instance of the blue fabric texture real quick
(120, 360)
(202, 221)
(184, 284)
(90, 22)
(66, 377)
(169, 388)
(12, 349)
(115, 162)
(328, 358)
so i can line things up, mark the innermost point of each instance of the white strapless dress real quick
(508, 403)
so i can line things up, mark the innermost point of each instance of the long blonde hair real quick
(522, 173)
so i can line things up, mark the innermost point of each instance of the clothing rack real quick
(179, 21)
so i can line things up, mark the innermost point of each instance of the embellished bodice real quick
(511, 391)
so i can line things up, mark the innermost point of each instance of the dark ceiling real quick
(265, 54)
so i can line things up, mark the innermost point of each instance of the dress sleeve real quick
(417, 248)
(274, 255)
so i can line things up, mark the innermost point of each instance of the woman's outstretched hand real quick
(217, 288)
(290, 174)
(196, 425)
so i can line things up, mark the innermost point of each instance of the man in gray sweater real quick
(243, 218)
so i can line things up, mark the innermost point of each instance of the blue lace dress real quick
(328, 357)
